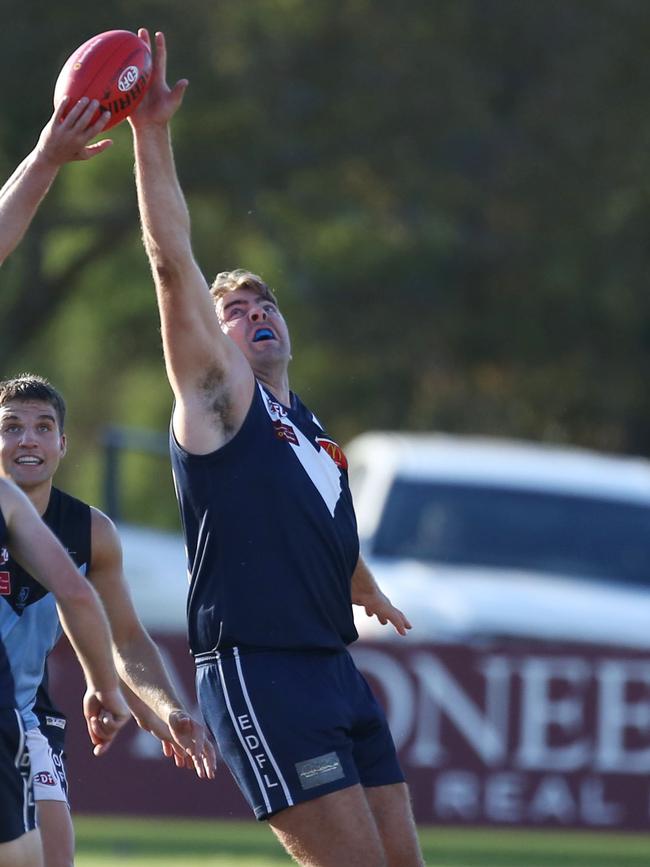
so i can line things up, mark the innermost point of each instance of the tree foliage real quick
(450, 199)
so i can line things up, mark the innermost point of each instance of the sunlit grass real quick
(163, 842)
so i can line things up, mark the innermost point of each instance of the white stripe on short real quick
(242, 682)
(241, 737)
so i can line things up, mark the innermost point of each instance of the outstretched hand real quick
(160, 102)
(378, 605)
(65, 139)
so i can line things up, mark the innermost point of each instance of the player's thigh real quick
(24, 852)
(283, 725)
(391, 809)
(57, 833)
(16, 802)
(331, 831)
(50, 794)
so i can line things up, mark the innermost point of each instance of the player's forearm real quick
(20, 197)
(85, 624)
(140, 666)
(163, 210)
(363, 581)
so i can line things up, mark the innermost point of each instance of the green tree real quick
(450, 199)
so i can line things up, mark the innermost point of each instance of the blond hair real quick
(228, 281)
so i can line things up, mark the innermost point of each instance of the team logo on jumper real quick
(276, 408)
(285, 432)
(334, 451)
(5, 584)
(320, 770)
(45, 778)
(317, 463)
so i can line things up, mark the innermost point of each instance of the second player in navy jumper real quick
(272, 545)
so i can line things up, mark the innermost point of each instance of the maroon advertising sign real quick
(504, 735)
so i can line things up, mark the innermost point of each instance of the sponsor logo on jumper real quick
(56, 721)
(4, 556)
(285, 432)
(45, 778)
(23, 595)
(319, 770)
(254, 746)
(276, 408)
(5, 584)
(319, 466)
(335, 451)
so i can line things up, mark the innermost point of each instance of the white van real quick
(478, 539)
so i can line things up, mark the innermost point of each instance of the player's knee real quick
(26, 851)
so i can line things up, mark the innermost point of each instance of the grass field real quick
(163, 842)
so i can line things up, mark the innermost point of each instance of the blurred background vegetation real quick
(451, 198)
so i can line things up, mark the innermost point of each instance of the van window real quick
(512, 528)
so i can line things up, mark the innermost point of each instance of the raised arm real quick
(61, 141)
(137, 658)
(38, 551)
(205, 368)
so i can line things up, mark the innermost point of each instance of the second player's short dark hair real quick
(30, 386)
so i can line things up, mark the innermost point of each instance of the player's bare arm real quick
(61, 141)
(38, 551)
(137, 658)
(366, 592)
(211, 380)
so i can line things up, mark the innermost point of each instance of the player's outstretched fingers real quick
(73, 115)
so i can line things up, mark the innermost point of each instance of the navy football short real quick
(17, 813)
(293, 726)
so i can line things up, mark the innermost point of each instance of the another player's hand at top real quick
(160, 102)
(106, 712)
(65, 139)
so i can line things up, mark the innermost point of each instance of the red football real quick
(113, 67)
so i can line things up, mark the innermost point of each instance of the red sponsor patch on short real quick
(335, 451)
(5, 584)
(45, 778)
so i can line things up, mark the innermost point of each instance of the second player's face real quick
(31, 444)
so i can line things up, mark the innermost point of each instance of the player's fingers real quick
(400, 622)
(106, 726)
(209, 760)
(143, 33)
(58, 111)
(85, 119)
(90, 726)
(95, 149)
(178, 92)
(197, 764)
(160, 56)
(100, 749)
(80, 106)
(95, 128)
